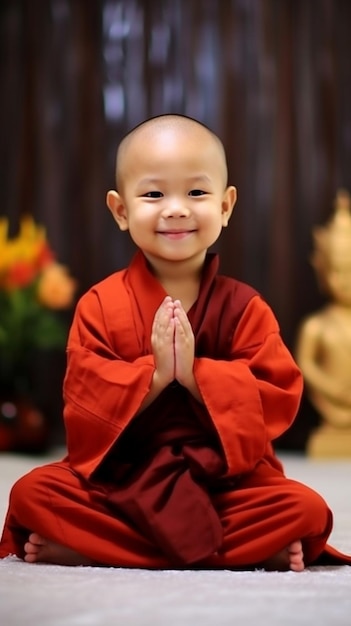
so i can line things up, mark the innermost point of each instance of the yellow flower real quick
(33, 287)
(56, 288)
(28, 248)
(4, 226)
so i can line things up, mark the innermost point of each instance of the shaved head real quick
(171, 166)
(161, 126)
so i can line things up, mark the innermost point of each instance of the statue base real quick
(328, 442)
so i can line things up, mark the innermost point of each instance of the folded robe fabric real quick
(167, 497)
(133, 488)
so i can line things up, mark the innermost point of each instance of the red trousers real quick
(262, 516)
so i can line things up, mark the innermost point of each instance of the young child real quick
(177, 383)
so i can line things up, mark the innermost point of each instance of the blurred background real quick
(271, 77)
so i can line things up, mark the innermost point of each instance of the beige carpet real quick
(47, 595)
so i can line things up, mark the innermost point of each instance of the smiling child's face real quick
(172, 194)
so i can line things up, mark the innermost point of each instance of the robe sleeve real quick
(102, 391)
(253, 397)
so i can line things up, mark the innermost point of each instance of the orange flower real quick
(20, 274)
(56, 288)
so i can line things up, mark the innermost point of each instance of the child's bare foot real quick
(290, 558)
(40, 550)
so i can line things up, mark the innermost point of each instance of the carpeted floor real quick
(47, 595)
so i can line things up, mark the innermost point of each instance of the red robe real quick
(181, 483)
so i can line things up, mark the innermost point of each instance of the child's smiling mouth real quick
(176, 233)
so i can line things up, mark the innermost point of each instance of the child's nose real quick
(176, 208)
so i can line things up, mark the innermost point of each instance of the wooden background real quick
(271, 77)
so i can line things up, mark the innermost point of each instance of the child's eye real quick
(153, 194)
(197, 192)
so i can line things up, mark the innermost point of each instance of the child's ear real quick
(117, 208)
(228, 202)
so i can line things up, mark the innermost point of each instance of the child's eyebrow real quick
(150, 181)
(199, 178)
(202, 178)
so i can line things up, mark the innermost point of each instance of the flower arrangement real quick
(34, 287)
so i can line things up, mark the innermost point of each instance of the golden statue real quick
(323, 349)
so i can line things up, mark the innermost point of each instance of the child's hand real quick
(162, 341)
(184, 346)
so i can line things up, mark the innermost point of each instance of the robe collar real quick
(147, 293)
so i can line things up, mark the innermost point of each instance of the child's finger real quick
(181, 316)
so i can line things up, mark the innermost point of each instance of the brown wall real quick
(271, 77)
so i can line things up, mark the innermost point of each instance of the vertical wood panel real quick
(271, 77)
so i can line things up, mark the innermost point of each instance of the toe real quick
(30, 548)
(295, 547)
(36, 539)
